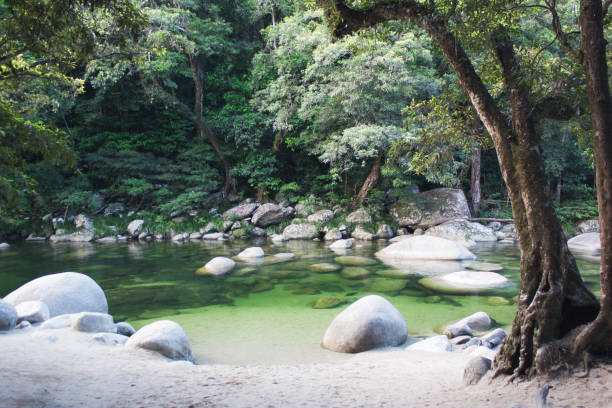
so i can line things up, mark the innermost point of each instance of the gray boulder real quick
(360, 216)
(494, 338)
(385, 232)
(180, 237)
(361, 234)
(92, 322)
(80, 236)
(57, 322)
(35, 238)
(430, 208)
(4, 245)
(476, 368)
(8, 316)
(271, 214)
(217, 266)
(369, 323)
(240, 212)
(208, 228)
(588, 243)
(465, 282)
(33, 311)
(425, 247)
(321, 216)
(165, 337)
(333, 234)
(83, 222)
(134, 228)
(435, 344)
(588, 226)
(214, 236)
(462, 231)
(300, 231)
(66, 292)
(342, 244)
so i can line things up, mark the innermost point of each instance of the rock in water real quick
(475, 370)
(462, 231)
(217, 266)
(66, 292)
(33, 311)
(464, 282)
(430, 208)
(92, 322)
(588, 243)
(369, 323)
(165, 337)
(424, 247)
(134, 228)
(342, 244)
(251, 253)
(8, 316)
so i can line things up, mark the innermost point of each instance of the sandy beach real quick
(76, 372)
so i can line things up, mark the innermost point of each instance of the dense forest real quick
(174, 107)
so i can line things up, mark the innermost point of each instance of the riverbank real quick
(77, 373)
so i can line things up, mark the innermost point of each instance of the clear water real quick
(258, 313)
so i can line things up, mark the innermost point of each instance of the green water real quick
(259, 313)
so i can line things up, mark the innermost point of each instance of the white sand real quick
(74, 372)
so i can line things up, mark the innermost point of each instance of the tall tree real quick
(553, 299)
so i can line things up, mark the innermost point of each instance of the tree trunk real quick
(553, 299)
(475, 192)
(198, 103)
(369, 183)
(598, 335)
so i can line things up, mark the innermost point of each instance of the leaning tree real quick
(554, 304)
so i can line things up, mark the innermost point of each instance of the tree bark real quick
(597, 336)
(553, 299)
(369, 183)
(475, 192)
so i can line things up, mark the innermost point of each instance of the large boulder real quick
(251, 253)
(300, 231)
(4, 245)
(588, 243)
(588, 226)
(8, 316)
(271, 214)
(369, 323)
(240, 212)
(425, 247)
(430, 208)
(321, 216)
(361, 234)
(33, 311)
(465, 282)
(217, 266)
(134, 228)
(360, 216)
(165, 337)
(475, 370)
(66, 292)
(80, 236)
(462, 231)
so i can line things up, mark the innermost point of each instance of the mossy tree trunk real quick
(553, 299)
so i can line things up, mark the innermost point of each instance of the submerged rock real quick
(328, 302)
(325, 267)
(368, 323)
(484, 266)
(425, 247)
(165, 337)
(67, 292)
(355, 260)
(354, 272)
(464, 282)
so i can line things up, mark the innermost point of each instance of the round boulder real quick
(462, 231)
(66, 292)
(588, 243)
(165, 337)
(430, 208)
(300, 231)
(217, 266)
(8, 316)
(368, 323)
(251, 253)
(92, 322)
(321, 217)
